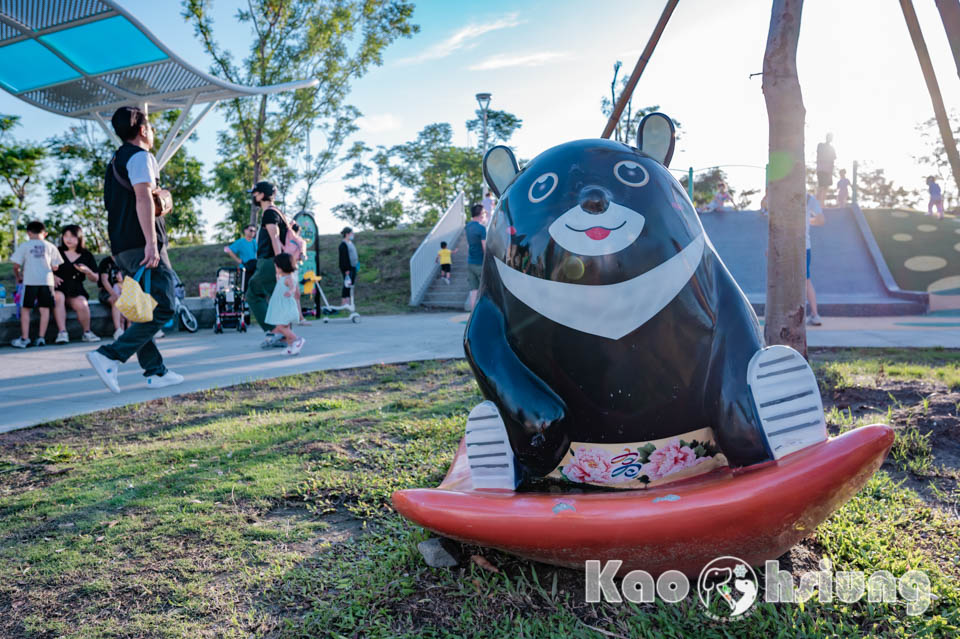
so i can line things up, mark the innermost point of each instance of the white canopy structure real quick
(86, 58)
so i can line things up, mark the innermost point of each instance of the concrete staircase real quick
(454, 294)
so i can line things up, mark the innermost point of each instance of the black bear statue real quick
(608, 334)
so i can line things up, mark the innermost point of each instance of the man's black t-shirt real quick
(264, 245)
(109, 268)
(123, 225)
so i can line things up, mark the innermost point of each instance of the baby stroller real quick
(230, 302)
(311, 280)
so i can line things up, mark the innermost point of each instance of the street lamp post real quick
(483, 99)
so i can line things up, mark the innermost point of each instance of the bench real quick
(101, 321)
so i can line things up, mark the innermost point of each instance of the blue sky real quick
(550, 62)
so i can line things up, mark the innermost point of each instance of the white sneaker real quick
(296, 347)
(106, 368)
(814, 320)
(167, 379)
(20, 343)
(40, 342)
(90, 336)
(62, 338)
(117, 333)
(159, 334)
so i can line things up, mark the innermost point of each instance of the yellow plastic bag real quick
(134, 303)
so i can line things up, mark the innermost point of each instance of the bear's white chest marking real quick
(606, 310)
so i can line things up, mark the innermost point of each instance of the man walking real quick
(826, 156)
(243, 251)
(138, 238)
(270, 240)
(476, 243)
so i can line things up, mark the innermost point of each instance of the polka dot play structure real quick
(922, 253)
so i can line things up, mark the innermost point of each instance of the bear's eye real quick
(631, 173)
(542, 187)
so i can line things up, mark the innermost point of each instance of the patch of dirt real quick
(940, 417)
(318, 449)
(343, 527)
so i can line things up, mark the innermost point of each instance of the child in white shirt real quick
(34, 262)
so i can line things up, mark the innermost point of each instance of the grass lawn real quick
(903, 236)
(263, 510)
(384, 274)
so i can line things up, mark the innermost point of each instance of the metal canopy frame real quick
(158, 84)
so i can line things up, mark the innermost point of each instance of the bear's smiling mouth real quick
(586, 233)
(597, 232)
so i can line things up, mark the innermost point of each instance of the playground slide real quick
(847, 269)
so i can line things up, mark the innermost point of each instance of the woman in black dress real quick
(78, 265)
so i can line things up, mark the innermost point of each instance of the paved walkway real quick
(38, 385)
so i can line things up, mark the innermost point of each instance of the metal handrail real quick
(423, 266)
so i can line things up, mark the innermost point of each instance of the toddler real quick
(283, 311)
(445, 258)
(843, 186)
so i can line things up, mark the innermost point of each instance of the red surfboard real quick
(755, 514)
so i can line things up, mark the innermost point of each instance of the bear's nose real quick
(594, 199)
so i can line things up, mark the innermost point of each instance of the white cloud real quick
(502, 61)
(378, 123)
(461, 39)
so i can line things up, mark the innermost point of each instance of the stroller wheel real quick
(326, 320)
(187, 319)
(355, 318)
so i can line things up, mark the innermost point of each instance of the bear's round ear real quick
(499, 168)
(656, 136)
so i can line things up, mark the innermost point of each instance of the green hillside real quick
(384, 275)
(921, 251)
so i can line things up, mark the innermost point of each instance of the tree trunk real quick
(949, 144)
(257, 156)
(254, 207)
(786, 281)
(950, 15)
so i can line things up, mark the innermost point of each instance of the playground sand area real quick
(262, 510)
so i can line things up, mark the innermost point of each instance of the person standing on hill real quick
(476, 243)
(489, 204)
(843, 189)
(349, 261)
(936, 197)
(826, 156)
(270, 240)
(138, 239)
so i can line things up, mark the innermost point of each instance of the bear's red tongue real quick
(597, 233)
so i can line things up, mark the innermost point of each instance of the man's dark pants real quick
(138, 338)
(261, 287)
(250, 267)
